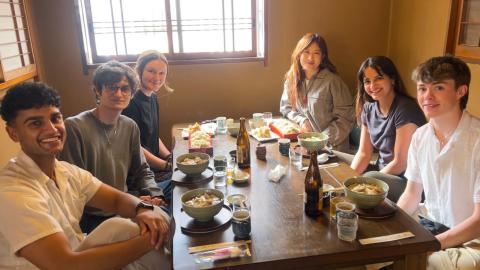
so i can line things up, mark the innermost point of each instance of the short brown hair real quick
(444, 68)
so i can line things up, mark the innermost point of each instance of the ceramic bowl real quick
(233, 129)
(206, 213)
(362, 200)
(313, 141)
(194, 169)
(240, 176)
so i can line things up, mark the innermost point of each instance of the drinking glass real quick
(241, 220)
(220, 176)
(257, 120)
(221, 125)
(230, 169)
(347, 225)
(295, 158)
(219, 160)
(336, 197)
(267, 117)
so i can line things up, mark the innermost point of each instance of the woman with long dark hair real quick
(314, 96)
(388, 118)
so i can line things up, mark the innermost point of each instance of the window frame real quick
(90, 58)
(470, 54)
(26, 72)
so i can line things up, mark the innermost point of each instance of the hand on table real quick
(306, 127)
(153, 200)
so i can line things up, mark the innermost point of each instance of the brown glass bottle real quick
(243, 146)
(313, 197)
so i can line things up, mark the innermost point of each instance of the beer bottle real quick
(313, 197)
(243, 146)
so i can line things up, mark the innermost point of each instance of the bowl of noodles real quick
(193, 163)
(202, 204)
(366, 192)
(313, 141)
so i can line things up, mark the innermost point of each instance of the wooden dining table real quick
(282, 236)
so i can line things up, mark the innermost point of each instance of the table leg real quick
(412, 262)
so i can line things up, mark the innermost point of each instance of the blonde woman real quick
(152, 69)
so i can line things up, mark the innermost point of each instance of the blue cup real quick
(284, 146)
(241, 222)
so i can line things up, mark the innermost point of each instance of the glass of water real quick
(220, 176)
(221, 125)
(295, 158)
(347, 225)
(267, 117)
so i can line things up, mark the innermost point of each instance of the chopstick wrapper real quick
(386, 238)
(218, 245)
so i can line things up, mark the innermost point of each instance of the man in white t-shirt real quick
(443, 162)
(42, 200)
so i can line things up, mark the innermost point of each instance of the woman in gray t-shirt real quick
(389, 117)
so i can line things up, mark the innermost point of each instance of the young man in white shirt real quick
(42, 200)
(443, 162)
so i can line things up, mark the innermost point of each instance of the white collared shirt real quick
(33, 207)
(450, 176)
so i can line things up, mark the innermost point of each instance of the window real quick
(16, 57)
(464, 30)
(184, 30)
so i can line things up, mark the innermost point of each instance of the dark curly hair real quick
(443, 68)
(110, 73)
(26, 96)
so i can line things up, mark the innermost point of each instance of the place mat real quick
(181, 179)
(218, 245)
(188, 225)
(385, 209)
(386, 238)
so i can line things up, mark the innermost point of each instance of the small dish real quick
(327, 187)
(236, 199)
(240, 176)
(322, 158)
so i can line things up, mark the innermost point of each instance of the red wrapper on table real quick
(276, 130)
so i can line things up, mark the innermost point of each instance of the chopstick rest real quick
(386, 238)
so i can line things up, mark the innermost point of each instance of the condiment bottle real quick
(243, 146)
(313, 188)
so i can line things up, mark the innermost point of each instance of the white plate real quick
(240, 177)
(273, 137)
